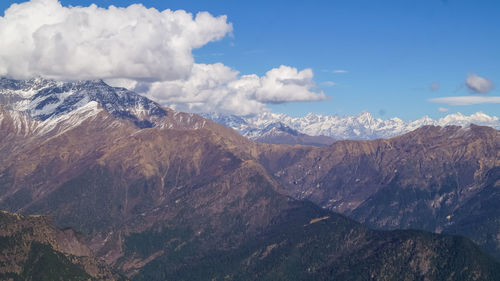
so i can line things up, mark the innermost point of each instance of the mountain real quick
(30, 245)
(440, 179)
(184, 198)
(42, 99)
(271, 132)
(360, 127)
(278, 133)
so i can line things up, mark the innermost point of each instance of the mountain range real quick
(157, 194)
(360, 127)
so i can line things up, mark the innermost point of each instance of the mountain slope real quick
(425, 179)
(479, 217)
(307, 243)
(32, 249)
(188, 199)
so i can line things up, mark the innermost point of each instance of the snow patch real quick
(68, 121)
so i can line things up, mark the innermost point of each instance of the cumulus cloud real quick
(466, 100)
(142, 49)
(216, 87)
(44, 38)
(478, 84)
(285, 84)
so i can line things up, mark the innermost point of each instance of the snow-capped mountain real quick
(48, 102)
(279, 133)
(361, 126)
(43, 99)
(45, 108)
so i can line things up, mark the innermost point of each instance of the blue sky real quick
(391, 51)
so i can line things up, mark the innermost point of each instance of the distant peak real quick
(364, 113)
(360, 126)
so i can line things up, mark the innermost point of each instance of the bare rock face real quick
(187, 199)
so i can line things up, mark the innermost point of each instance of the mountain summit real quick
(43, 99)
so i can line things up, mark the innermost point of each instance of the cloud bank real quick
(59, 42)
(466, 100)
(143, 49)
(478, 84)
(216, 87)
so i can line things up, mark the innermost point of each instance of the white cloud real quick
(286, 84)
(41, 37)
(216, 87)
(143, 49)
(340, 71)
(443, 109)
(466, 100)
(478, 84)
(328, 83)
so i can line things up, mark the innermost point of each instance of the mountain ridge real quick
(356, 127)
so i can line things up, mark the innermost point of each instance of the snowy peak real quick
(278, 128)
(279, 133)
(366, 118)
(25, 88)
(361, 126)
(43, 99)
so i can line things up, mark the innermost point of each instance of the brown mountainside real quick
(187, 199)
(418, 180)
(28, 244)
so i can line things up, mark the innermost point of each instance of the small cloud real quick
(329, 83)
(443, 109)
(466, 100)
(340, 71)
(434, 86)
(478, 84)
